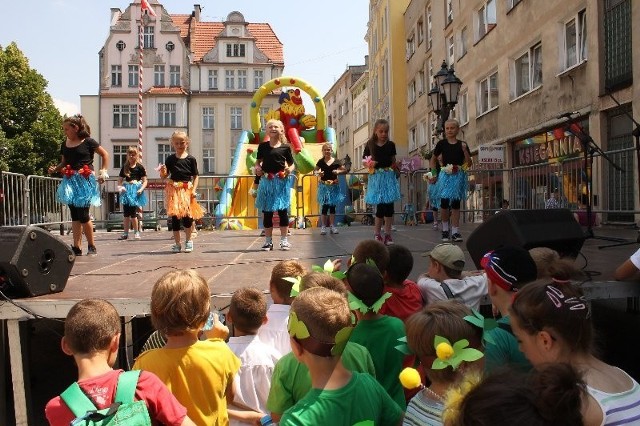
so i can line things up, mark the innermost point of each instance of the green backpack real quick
(124, 410)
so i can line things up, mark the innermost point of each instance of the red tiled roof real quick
(203, 38)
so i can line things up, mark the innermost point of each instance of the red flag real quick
(145, 6)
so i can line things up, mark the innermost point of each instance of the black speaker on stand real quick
(553, 228)
(33, 262)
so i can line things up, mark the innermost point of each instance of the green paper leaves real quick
(342, 338)
(296, 327)
(295, 289)
(453, 355)
(486, 324)
(327, 268)
(404, 346)
(356, 304)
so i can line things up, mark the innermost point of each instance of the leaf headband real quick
(327, 268)
(449, 355)
(300, 333)
(356, 304)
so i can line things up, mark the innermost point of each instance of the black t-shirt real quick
(451, 153)
(182, 169)
(383, 154)
(328, 171)
(273, 159)
(137, 172)
(80, 155)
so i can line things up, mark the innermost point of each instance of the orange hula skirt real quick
(181, 201)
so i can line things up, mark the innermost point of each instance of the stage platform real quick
(124, 273)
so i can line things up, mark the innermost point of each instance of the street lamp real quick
(443, 96)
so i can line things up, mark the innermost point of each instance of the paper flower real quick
(295, 289)
(297, 328)
(249, 151)
(449, 355)
(327, 268)
(410, 378)
(486, 324)
(368, 162)
(68, 171)
(183, 185)
(270, 176)
(85, 171)
(281, 174)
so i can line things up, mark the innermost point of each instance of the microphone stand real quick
(589, 148)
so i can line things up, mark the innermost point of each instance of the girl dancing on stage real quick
(132, 182)
(329, 194)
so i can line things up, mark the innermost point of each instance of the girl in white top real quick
(552, 322)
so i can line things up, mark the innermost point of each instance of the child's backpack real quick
(124, 410)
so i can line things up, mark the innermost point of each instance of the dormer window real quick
(236, 50)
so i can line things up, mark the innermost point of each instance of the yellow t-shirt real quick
(198, 376)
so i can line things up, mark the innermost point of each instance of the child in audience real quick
(629, 268)
(406, 298)
(549, 396)
(198, 372)
(378, 333)
(274, 332)
(543, 257)
(247, 312)
(320, 324)
(92, 336)
(552, 322)
(374, 250)
(446, 319)
(508, 270)
(444, 278)
(291, 380)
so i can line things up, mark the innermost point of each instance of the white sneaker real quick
(334, 230)
(136, 235)
(323, 231)
(284, 245)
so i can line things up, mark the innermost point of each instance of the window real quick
(347, 134)
(235, 50)
(341, 139)
(263, 113)
(411, 93)
(463, 110)
(208, 119)
(527, 72)
(164, 151)
(242, 79)
(463, 41)
(420, 30)
(575, 40)
(429, 28)
(148, 39)
(486, 18)
(385, 77)
(120, 156)
(430, 70)
(513, 3)
(411, 46)
(618, 48)
(413, 138)
(208, 160)
(449, 11)
(433, 129)
(451, 50)
(174, 75)
(167, 115)
(236, 118)
(488, 93)
(229, 79)
(124, 116)
(158, 75)
(133, 76)
(422, 82)
(233, 145)
(116, 75)
(213, 79)
(258, 79)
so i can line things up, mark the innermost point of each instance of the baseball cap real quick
(509, 267)
(449, 255)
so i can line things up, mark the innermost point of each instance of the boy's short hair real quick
(320, 279)
(543, 257)
(248, 309)
(442, 318)
(180, 301)
(90, 326)
(323, 311)
(282, 270)
(374, 250)
(365, 282)
(400, 263)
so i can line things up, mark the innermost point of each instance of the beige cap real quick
(450, 255)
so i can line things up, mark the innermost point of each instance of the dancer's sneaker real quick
(91, 251)
(445, 236)
(76, 250)
(123, 236)
(285, 245)
(378, 237)
(188, 246)
(323, 231)
(435, 225)
(267, 246)
(176, 248)
(136, 236)
(457, 237)
(387, 240)
(334, 230)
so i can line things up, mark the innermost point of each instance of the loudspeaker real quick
(33, 262)
(553, 228)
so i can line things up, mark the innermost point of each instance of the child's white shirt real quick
(274, 333)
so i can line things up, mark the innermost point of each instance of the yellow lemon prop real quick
(410, 378)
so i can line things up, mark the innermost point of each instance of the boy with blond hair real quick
(198, 372)
(319, 325)
(274, 332)
(92, 336)
(247, 312)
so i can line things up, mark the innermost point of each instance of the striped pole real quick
(140, 75)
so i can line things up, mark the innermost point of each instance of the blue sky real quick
(61, 38)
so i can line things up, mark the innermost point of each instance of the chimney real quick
(196, 12)
(366, 61)
(115, 15)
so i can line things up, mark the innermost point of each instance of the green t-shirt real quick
(361, 400)
(381, 336)
(291, 381)
(505, 351)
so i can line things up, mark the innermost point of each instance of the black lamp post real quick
(443, 96)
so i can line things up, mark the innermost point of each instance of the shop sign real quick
(549, 147)
(491, 154)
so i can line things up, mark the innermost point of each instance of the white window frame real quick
(125, 116)
(213, 79)
(448, 12)
(120, 155)
(486, 18)
(164, 151)
(242, 79)
(236, 50)
(208, 160)
(258, 79)
(174, 75)
(116, 75)
(411, 46)
(158, 75)
(512, 3)
(579, 41)
(524, 81)
(134, 76)
(429, 28)
(463, 107)
(148, 37)
(422, 83)
(413, 139)
(451, 49)
(264, 110)
(166, 115)
(229, 79)
(486, 86)
(208, 118)
(235, 117)
(420, 31)
(411, 92)
(464, 37)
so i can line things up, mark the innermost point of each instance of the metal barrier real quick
(15, 210)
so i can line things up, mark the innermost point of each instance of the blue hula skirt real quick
(453, 186)
(130, 196)
(329, 194)
(274, 194)
(79, 191)
(382, 187)
(433, 192)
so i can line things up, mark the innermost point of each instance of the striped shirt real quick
(423, 411)
(619, 408)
